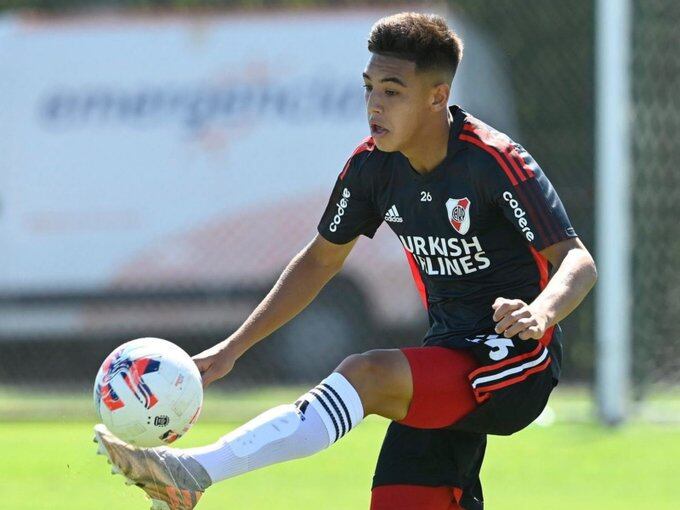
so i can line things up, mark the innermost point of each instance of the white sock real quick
(317, 420)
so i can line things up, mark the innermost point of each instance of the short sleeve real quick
(350, 211)
(529, 201)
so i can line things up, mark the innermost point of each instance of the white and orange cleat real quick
(172, 479)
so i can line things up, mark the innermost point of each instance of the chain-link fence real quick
(656, 193)
(548, 50)
(551, 52)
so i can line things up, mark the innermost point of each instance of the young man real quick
(481, 226)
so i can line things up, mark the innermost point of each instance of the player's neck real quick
(430, 148)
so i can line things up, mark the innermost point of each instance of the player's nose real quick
(373, 106)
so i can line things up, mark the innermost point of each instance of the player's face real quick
(397, 101)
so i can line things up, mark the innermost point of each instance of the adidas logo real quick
(393, 215)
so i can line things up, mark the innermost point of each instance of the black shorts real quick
(453, 456)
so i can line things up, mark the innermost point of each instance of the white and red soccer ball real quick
(148, 392)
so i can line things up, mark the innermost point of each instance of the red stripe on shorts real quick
(415, 497)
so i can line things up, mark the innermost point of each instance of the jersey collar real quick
(458, 115)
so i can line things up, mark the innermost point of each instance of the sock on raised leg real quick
(318, 419)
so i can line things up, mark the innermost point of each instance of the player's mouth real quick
(377, 130)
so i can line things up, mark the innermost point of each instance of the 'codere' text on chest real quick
(441, 256)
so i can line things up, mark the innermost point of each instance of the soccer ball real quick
(148, 392)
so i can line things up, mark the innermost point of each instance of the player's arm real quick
(529, 201)
(349, 214)
(574, 276)
(298, 285)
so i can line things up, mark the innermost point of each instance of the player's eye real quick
(368, 87)
(391, 92)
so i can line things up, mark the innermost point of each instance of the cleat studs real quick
(115, 470)
(101, 450)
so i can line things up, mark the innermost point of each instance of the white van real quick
(158, 172)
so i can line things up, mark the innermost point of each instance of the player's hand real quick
(215, 363)
(515, 317)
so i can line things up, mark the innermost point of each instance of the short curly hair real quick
(424, 39)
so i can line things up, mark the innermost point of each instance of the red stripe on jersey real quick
(482, 393)
(542, 265)
(520, 160)
(509, 361)
(417, 277)
(515, 168)
(529, 196)
(512, 155)
(495, 154)
(501, 145)
(367, 144)
(499, 142)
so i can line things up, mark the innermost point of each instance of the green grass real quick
(50, 463)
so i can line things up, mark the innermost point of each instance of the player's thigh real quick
(442, 394)
(446, 459)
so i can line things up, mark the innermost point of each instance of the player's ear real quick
(440, 97)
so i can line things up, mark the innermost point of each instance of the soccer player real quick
(482, 228)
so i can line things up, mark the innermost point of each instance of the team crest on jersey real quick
(458, 210)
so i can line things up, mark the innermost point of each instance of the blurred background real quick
(161, 161)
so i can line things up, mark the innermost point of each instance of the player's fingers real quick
(511, 319)
(202, 364)
(502, 304)
(209, 376)
(217, 370)
(519, 326)
(512, 326)
(506, 307)
(499, 301)
(505, 321)
(533, 332)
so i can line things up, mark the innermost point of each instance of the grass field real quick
(48, 462)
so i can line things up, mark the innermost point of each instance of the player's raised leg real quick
(395, 384)
(376, 382)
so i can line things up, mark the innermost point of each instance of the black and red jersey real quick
(472, 228)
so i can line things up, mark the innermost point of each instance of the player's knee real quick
(359, 369)
(370, 373)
